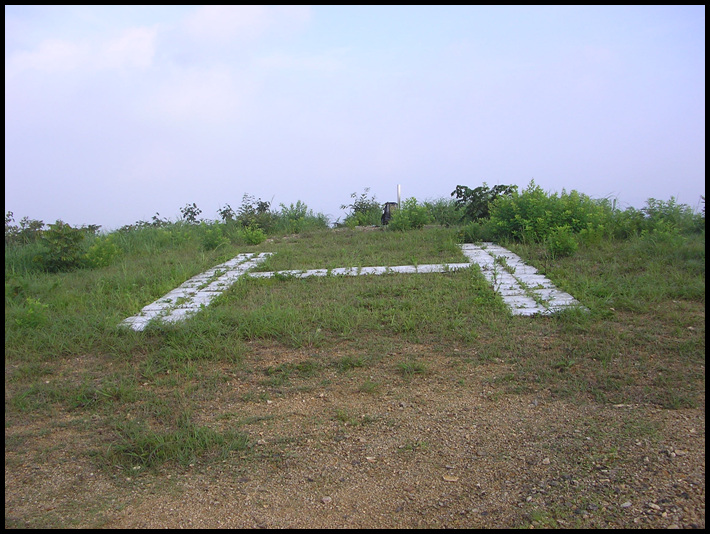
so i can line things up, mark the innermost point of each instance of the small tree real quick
(364, 211)
(190, 213)
(475, 203)
(62, 248)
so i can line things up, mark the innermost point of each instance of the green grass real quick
(642, 341)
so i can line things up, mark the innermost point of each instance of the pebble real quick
(326, 500)
(627, 504)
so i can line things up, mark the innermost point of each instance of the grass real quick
(642, 341)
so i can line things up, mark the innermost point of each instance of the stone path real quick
(197, 292)
(526, 291)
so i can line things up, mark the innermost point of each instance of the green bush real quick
(29, 231)
(252, 235)
(103, 252)
(212, 236)
(61, 248)
(475, 203)
(477, 231)
(531, 216)
(443, 211)
(364, 211)
(410, 215)
(297, 218)
(561, 242)
(255, 213)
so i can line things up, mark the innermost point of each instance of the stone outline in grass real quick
(522, 288)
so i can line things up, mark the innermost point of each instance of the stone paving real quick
(198, 291)
(522, 288)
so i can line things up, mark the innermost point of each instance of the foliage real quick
(252, 235)
(212, 236)
(33, 315)
(477, 231)
(443, 211)
(103, 252)
(364, 211)
(475, 203)
(227, 214)
(561, 242)
(29, 230)
(190, 213)
(62, 248)
(296, 218)
(255, 213)
(532, 215)
(410, 215)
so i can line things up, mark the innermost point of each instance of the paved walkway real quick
(525, 290)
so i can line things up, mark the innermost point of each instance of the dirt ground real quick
(451, 447)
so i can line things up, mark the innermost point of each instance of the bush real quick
(475, 203)
(190, 213)
(29, 231)
(364, 211)
(443, 211)
(409, 216)
(103, 252)
(297, 218)
(561, 242)
(533, 215)
(252, 235)
(477, 231)
(255, 213)
(61, 248)
(212, 236)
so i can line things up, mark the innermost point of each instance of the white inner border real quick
(522, 288)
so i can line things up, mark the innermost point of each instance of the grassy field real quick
(84, 397)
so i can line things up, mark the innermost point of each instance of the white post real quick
(399, 199)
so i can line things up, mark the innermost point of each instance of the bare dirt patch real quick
(416, 439)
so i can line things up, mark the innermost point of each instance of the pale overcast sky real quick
(114, 113)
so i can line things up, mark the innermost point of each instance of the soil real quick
(448, 447)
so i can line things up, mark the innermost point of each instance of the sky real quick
(116, 113)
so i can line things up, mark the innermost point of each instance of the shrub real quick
(364, 211)
(252, 235)
(475, 203)
(29, 231)
(561, 242)
(190, 213)
(227, 214)
(61, 248)
(212, 236)
(255, 213)
(443, 211)
(410, 215)
(297, 218)
(477, 231)
(533, 215)
(103, 252)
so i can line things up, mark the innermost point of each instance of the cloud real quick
(200, 94)
(220, 23)
(51, 55)
(132, 48)
(135, 47)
